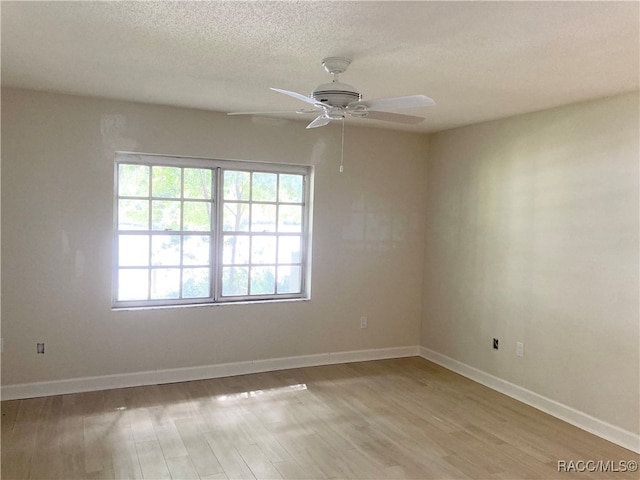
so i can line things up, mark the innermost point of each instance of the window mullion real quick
(149, 237)
(217, 241)
(181, 250)
(251, 233)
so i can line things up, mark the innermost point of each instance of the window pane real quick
(236, 185)
(235, 250)
(165, 215)
(289, 279)
(263, 187)
(165, 283)
(196, 216)
(290, 218)
(180, 239)
(263, 280)
(235, 281)
(133, 250)
(166, 182)
(195, 250)
(235, 217)
(133, 180)
(263, 249)
(263, 218)
(195, 283)
(197, 183)
(165, 250)
(133, 284)
(133, 214)
(290, 188)
(289, 249)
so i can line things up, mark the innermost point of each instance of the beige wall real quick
(532, 236)
(57, 187)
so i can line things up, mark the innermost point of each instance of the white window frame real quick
(217, 166)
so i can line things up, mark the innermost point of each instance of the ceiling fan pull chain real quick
(342, 149)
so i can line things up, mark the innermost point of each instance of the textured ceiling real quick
(478, 60)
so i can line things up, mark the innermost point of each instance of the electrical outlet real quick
(495, 344)
(364, 322)
(40, 348)
(520, 349)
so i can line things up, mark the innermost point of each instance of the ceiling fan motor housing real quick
(336, 94)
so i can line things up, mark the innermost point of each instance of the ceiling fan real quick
(335, 100)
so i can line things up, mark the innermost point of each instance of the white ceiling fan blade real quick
(299, 96)
(394, 117)
(302, 111)
(321, 121)
(393, 103)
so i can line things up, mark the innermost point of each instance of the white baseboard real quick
(570, 415)
(157, 377)
(582, 420)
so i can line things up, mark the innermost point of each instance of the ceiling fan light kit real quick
(336, 100)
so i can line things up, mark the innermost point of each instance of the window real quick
(196, 231)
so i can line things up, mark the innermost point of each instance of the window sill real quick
(217, 304)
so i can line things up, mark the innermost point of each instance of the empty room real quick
(332, 240)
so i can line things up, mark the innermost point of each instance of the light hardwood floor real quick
(403, 418)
